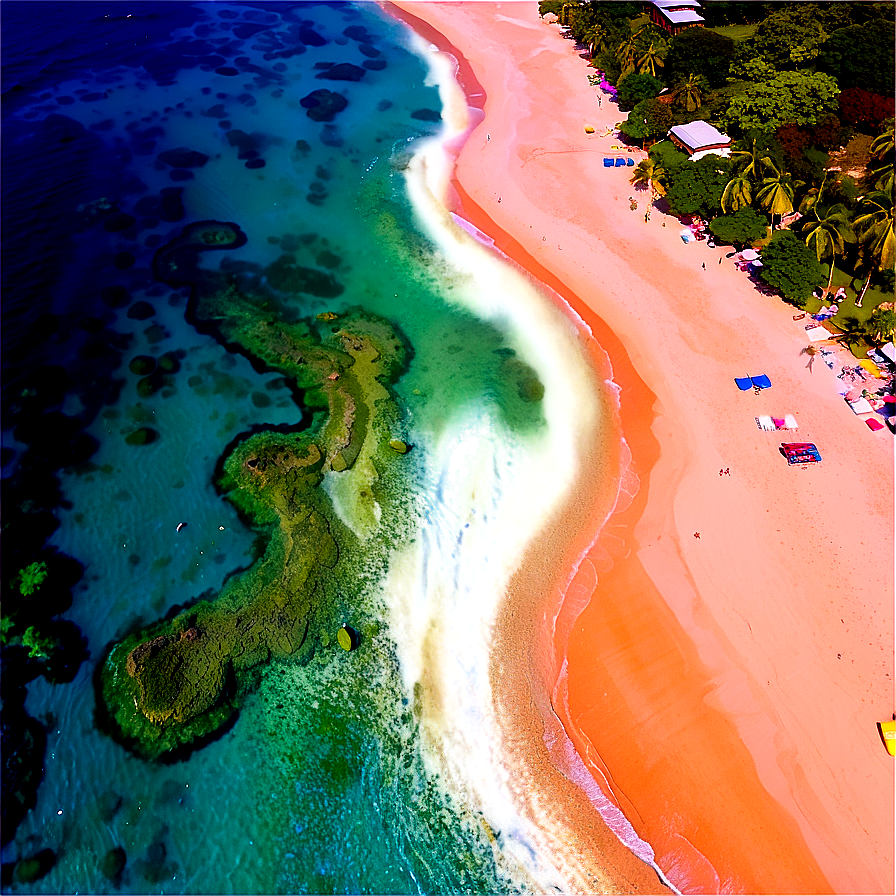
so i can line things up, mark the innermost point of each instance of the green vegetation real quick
(32, 577)
(805, 91)
(788, 98)
(635, 87)
(175, 684)
(740, 228)
(791, 267)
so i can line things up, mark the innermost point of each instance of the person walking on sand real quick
(704, 265)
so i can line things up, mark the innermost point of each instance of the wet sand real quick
(724, 689)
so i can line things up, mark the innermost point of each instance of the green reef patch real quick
(323, 496)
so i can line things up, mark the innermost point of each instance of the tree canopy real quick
(790, 98)
(789, 35)
(696, 187)
(699, 51)
(861, 56)
(790, 266)
(635, 87)
(744, 226)
(650, 118)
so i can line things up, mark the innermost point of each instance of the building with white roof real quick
(674, 15)
(700, 138)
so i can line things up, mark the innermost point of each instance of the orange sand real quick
(727, 686)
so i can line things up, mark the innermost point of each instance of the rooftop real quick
(699, 134)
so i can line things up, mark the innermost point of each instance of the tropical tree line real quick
(793, 83)
(843, 222)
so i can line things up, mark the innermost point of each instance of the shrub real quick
(743, 226)
(790, 267)
(635, 87)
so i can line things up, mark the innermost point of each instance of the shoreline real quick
(653, 634)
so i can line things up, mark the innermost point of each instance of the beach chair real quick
(744, 383)
(790, 422)
(761, 382)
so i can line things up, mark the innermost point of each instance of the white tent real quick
(889, 352)
(861, 406)
(818, 334)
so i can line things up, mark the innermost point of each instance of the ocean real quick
(318, 129)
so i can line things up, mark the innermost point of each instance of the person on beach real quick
(704, 265)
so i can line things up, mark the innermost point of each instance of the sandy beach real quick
(725, 647)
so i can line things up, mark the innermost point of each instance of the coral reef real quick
(171, 687)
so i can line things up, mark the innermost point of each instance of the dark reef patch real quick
(183, 158)
(323, 104)
(342, 71)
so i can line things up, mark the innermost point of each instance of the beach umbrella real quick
(749, 255)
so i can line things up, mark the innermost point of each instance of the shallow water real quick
(337, 776)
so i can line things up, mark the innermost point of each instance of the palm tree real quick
(882, 151)
(691, 92)
(596, 38)
(775, 195)
(627, 55)
(875, 230)
(738, 192)
(653, 58)
(813, 196)
(827, 230)
(758, 160)
(852, 331)
(882, 323)
(649, 173)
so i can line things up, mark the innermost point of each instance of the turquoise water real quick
(322, 785)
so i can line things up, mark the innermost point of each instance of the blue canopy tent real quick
(630, 163)
(620, 163)
(608, 163)
(761, 382)
(744, 383)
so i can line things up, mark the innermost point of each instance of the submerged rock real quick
(183, 158)
(343, 71)
(323, 104)
(113, 864)
(288, 276)
(347, 638)
(145, 435)
(35, 867)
